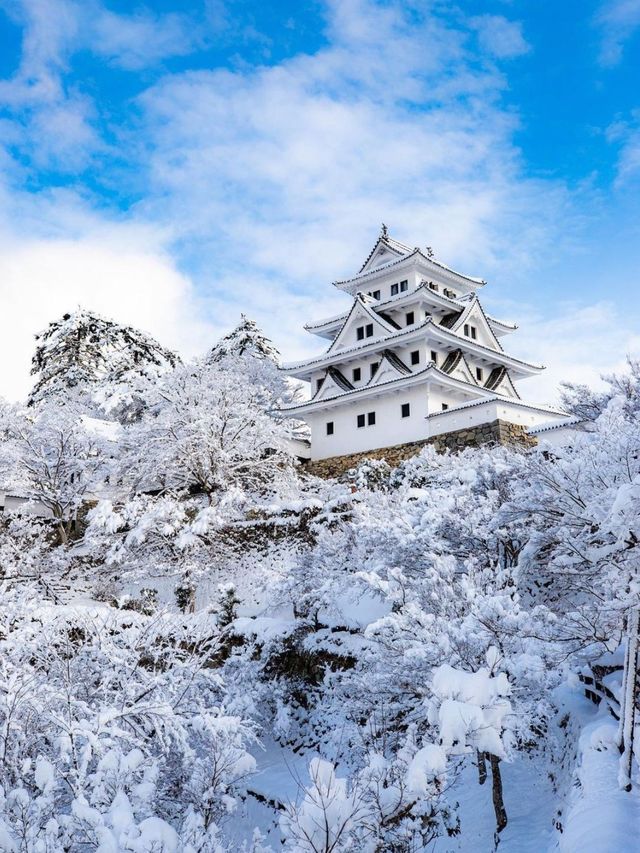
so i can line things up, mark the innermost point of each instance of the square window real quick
(405, 410)
(404, 286)
(479, 374)
(410, 318)
(369, 330)
(466, 330)
(376, 294)
(473, 332)
(415, 356)
(371, 418)
(374, 368)
(360, 421)
(329, 427)
(357, 374)
(360, 333)
(445, 406)
(434, 356)
(394, 289)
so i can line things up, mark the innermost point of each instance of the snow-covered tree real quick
(210, 431)
(54, 458)
(98, 363)
(247, 339)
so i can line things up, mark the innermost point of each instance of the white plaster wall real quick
(485, 413)
(390, 428)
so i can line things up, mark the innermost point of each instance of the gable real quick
(500, 382)
(334, 383)
(360, 315)
(391, 367)
(456, 366)
(386, 249)
(475, 316)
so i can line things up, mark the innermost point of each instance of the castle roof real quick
(392, 252)
(455, 307)
(406, 335)
(373, 387)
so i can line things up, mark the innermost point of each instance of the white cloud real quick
(618, 21)
(113, 271)
(292, 167)
(579, 343)
(500, 37)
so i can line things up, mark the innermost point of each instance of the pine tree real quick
(246, 339)
(87, 358)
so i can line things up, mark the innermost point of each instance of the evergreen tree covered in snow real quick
(98, 363)
(247, 339)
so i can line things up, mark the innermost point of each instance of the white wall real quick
(390, 428)
(485, 413)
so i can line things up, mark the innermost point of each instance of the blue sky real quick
(173, 164)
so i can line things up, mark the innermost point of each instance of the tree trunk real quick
(482, 767)
(498, 801)
(627, 723)
(63, 538)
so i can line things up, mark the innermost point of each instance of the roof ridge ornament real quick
(384, 231)
(430, 252)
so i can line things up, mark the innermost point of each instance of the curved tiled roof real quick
(409, 330)
(430, 368)
(394, 245)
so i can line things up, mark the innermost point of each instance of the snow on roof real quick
(405, 253)
(369, 387)
(567, 422)
(390, 243)
(406, 332)
(496, 398)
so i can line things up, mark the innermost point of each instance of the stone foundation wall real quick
(496, 432)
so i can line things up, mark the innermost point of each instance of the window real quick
(415, 356)
(366, 420)
(374, 368)
(319, 383)
(360, 332)
(376, 294)
(479, 374)
(329, 427)
(473, 332)
(434, 356)
(404, 286)
(357, 374)
(394, 289)
(410, 318)
(445, 406)
(369, 330)
(466, 330)
(405, 410)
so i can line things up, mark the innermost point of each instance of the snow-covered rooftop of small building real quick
(553, 425)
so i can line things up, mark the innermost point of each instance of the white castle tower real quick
(415, 357)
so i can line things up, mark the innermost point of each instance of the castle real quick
(415, 357)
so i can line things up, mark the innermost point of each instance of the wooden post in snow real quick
(626, 727)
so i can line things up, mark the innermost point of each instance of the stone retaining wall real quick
(496, 432)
